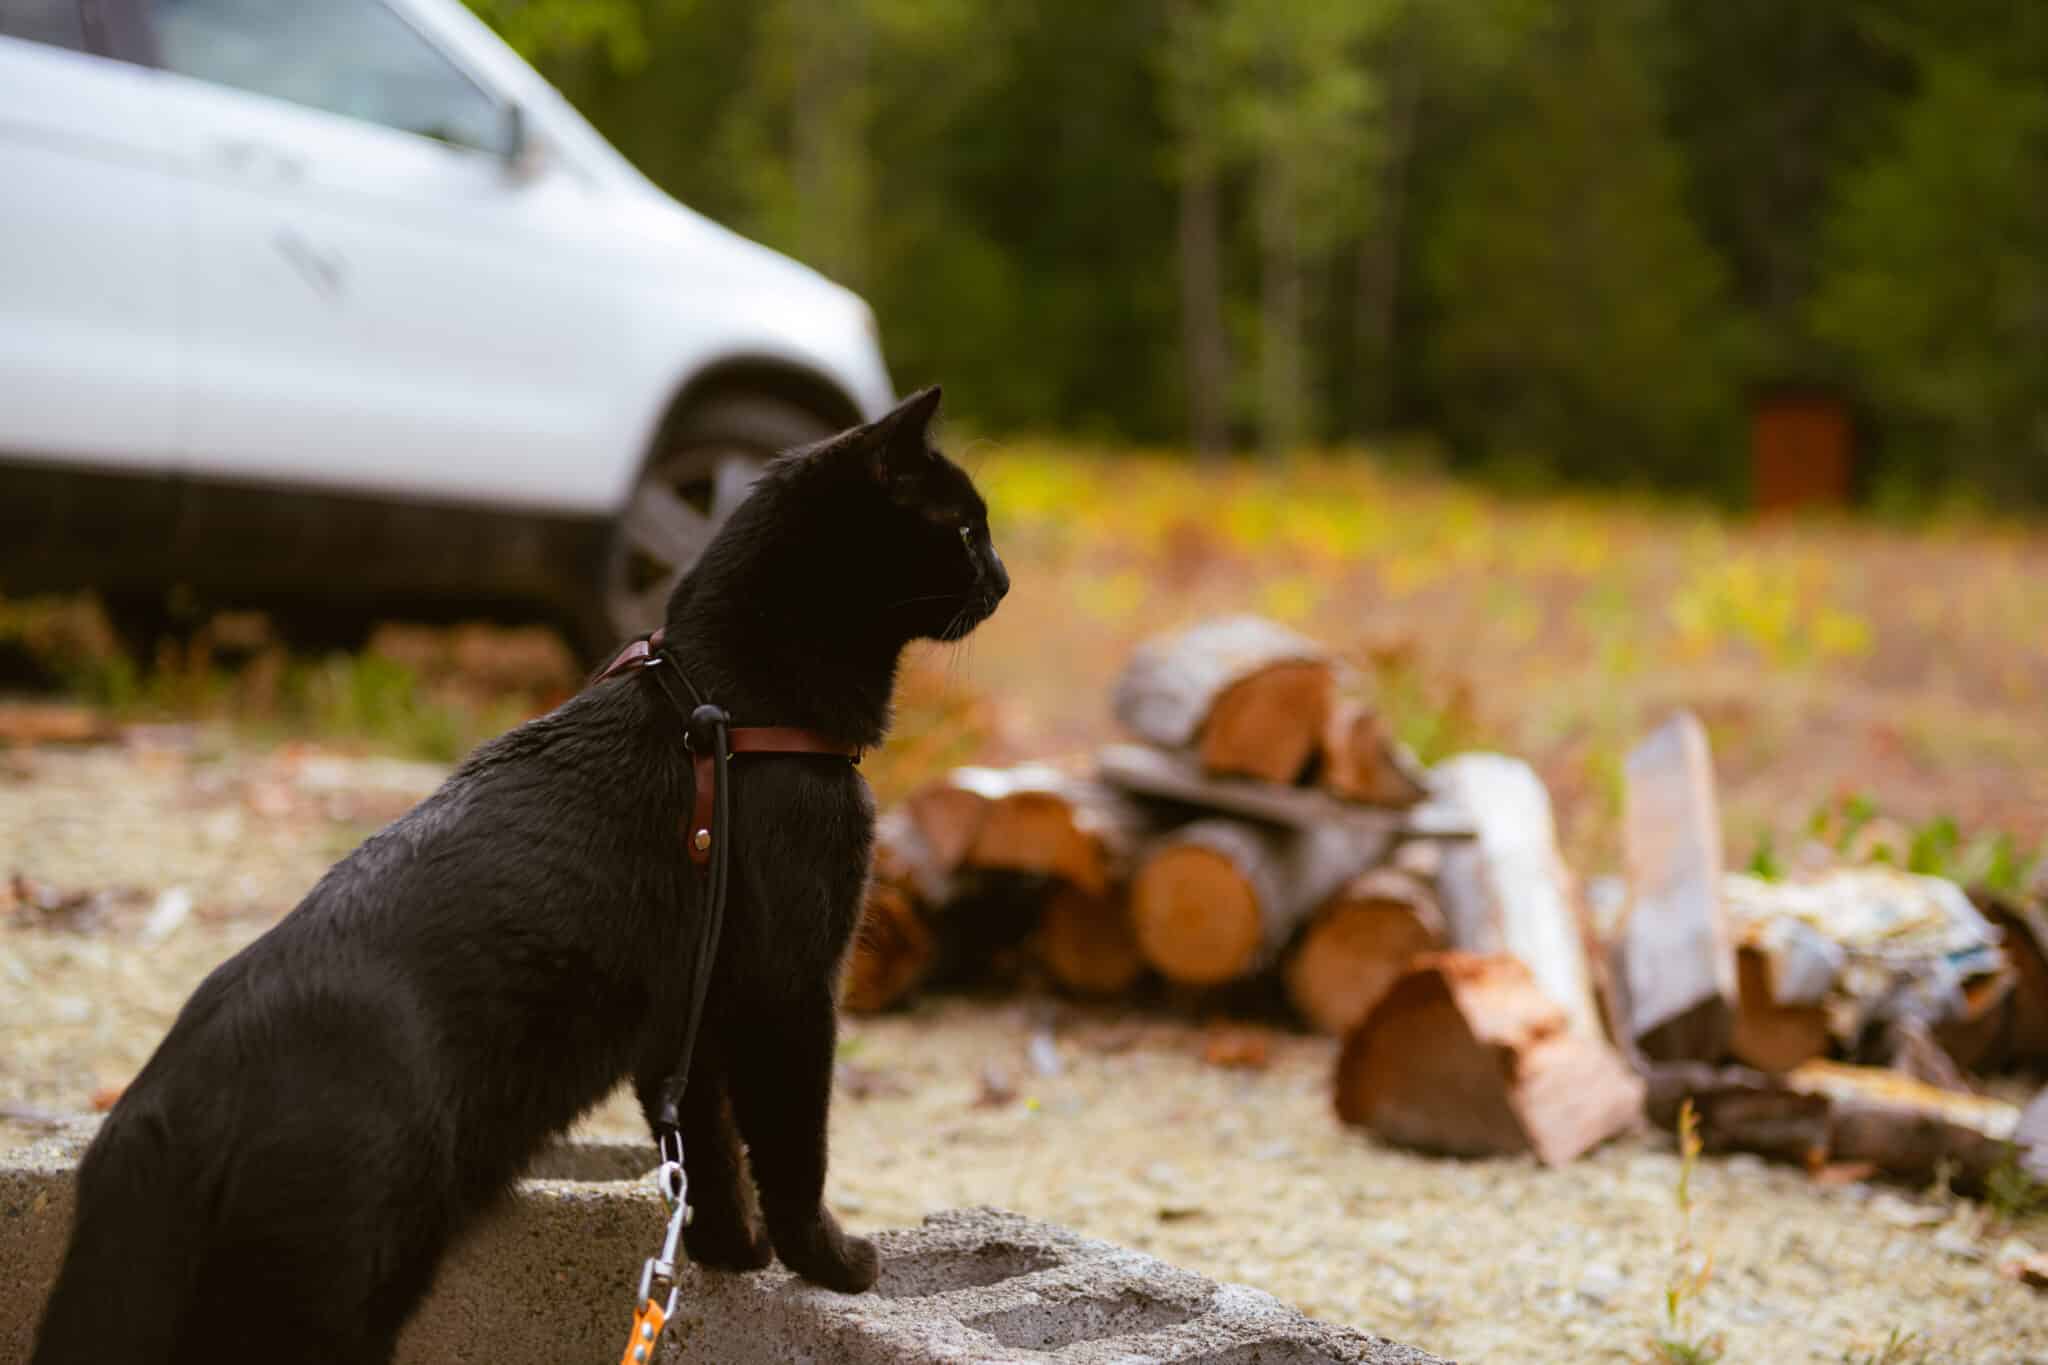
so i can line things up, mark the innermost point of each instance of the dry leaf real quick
(1237, 1048)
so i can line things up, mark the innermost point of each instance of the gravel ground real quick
(1111, 1122)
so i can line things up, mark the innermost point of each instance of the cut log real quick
(893, 951)
(1248, 695)
(1769, 1036)
(1031, 818)
(29, 723)
(985, 931)
(1358, 944)
(2030, 1137)
(1363, 761)
(1422, 859)
(1979, 1032)
(1828, 1113)
(1508, 890)
(1670, 1084)
(1218, 900)
(2023, 1038)
(1045, 822)
(1769, 1121)
(1677, 958)
(1467, 1055)
(1908, 1129)
(905, 858)
(1177, 781)
(947, 815)
(1267, 725)
(1086, 941)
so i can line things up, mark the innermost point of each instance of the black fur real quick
(338, 1100)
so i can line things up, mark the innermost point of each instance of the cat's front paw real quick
(730, 1247)
(826, 1256)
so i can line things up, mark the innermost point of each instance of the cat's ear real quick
(897, 445)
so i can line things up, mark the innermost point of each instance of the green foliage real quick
(1563, 234)
(2011, 1192)
(1764, 862)
(1990, 859)
(1585, 327)
(1938, 289)
(1566, 236)
(554, 29)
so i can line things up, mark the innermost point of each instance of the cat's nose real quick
(998, 577)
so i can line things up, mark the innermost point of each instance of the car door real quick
(368, 301)
(88, 354)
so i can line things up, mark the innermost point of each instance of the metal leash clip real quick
(653, 1314)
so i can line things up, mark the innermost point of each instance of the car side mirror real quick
(517, 147)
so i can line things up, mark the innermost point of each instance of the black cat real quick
(343, 1096)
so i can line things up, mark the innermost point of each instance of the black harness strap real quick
(712, 740)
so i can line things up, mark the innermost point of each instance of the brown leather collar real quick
(744, 739)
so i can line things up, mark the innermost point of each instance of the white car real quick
(337, 301)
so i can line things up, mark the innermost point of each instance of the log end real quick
(1087, 944)
(1350, 957)
(892, 952)
(1269, 724)
(1196, 917)
(1771, 1037)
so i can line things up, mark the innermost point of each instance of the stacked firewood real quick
(1832, 1018)
(1267, 831)
(1269, 838)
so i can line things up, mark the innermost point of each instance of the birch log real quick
(1677, 957)
(1508, 889)
(1249, 696)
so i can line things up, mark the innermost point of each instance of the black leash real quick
(712, 739)
(707, 735)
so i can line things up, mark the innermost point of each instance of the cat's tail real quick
(130, 1266)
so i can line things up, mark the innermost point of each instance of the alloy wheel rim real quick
(676, 508)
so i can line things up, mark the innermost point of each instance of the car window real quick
(356, 58)
(56, 22)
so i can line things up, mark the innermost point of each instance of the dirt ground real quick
(145, 863)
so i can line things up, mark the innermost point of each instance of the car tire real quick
(685, 490)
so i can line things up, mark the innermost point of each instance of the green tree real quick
(1938, 282)
(1583, 326)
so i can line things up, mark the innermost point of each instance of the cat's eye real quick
(966, 534)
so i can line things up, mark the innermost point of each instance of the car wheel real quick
(685, 492)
